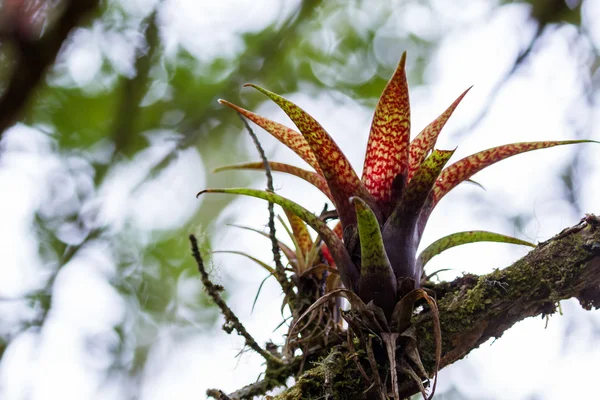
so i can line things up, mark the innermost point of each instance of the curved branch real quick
(474, 308)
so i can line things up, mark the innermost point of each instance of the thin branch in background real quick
(492, 97)
(133, 90)
(230, 318)
(279, 268)
(33, 57)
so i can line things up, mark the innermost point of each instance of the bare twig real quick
(214, 292)
(279, 268)
(493, 96)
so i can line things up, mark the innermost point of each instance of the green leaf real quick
(241, 253)
(460, 238)
(423, 181)
(377, 279)
(289, 253)
(311, 177)
(341, 178)
(399, 231)
(348, 271)
(387, 148)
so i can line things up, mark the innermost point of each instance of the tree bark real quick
(474, 309)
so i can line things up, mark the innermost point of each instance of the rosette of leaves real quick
(383, 213)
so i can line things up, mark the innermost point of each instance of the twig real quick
(133, 90)
(279, 268)
(491, 98)
(213, 291)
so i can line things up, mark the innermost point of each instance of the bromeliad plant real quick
(384, 213)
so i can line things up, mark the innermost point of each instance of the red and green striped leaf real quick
(377, 279)
(460, 238)
(468, 166)
(298, 264)
(341, 178)
(399, 231)
(348, 271)
(425, 141)
(387, 148)
(289, 137)
(423, 182)
(300, 232)
(311, 177)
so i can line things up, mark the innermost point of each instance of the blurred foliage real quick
(143, 95)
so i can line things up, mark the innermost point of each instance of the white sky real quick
(529, 359)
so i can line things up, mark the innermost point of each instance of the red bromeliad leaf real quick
(311, 177)
(300, 232)
(341, 178)
(348, 271)
(425, 141)
(468, 166)
(292, 139)
(460, 238)
(387, 149)
(327, 255)
(377, 279)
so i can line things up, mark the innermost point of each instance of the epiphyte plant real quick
(384, 213)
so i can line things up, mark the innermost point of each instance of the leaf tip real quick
(402, 63)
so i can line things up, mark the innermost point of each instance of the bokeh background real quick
(99, 297)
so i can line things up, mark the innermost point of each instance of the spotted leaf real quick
(460, 238)
(425, 141)
(341, 178)
(289, 137)
(377, 279)
(387, 148)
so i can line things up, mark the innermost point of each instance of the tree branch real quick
(474, 308)
(34, 57)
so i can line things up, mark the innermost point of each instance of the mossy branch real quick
(474, 308)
